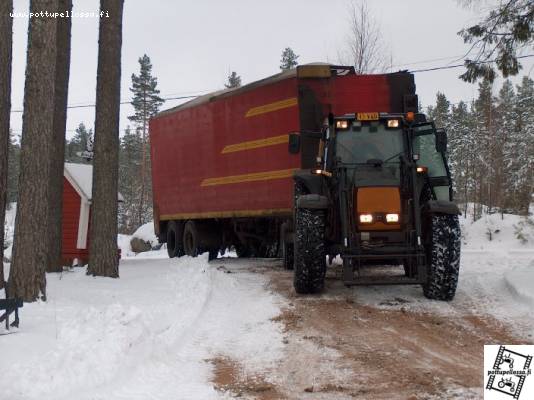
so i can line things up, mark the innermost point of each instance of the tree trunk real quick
(6, 33)
(30, 254)
(57, 160)
(103, 251)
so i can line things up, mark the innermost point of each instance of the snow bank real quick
(498, 232)
(149, 334)
(146, 232)
(520, 281)
(123, 241)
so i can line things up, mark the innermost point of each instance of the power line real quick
(461, 65)
(122, 102)
(454, 58)
(443, 67)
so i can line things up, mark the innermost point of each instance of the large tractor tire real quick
(175, 246)
(443, 257)
(309, 251)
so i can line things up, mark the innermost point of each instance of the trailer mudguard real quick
(312, 182)
(313, 201)
(441, 207)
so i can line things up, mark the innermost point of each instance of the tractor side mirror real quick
(294, 143)
(441, 141)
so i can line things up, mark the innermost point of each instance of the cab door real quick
(430, 145)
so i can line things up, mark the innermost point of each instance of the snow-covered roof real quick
(81, 178)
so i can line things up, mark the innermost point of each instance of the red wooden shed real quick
(77, 189)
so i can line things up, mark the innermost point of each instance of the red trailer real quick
(222, 164)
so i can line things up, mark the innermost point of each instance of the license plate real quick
(369, 116)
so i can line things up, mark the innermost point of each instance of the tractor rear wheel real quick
(174, 239)
(309, 251)
(443, 257)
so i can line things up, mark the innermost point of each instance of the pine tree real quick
(504, 124)
(289, 59)
(146, 100)
(460, 157)
(6, 33)
(146, 103)
(484, 129)
(440, 113)
(103, 257)
(501, 35)
(30, 254)
(234, 81)
(520, 149)
(79, 143)
(57, 159)
(130, 158)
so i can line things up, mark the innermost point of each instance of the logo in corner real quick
(508, 372)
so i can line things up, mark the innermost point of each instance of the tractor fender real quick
(441, 207)
(312, 183)
(312, 201)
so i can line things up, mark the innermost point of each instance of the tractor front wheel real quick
(443, 257)
(309, 251)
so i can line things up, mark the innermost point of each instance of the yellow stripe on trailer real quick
(253, 177)
(255, 144)
(270, 107)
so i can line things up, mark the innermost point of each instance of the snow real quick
(82, 175)
(153, 332)
(146, 233)
(149, 334)
(9, 229)
(520, 282)
(497, 232)
(123, 241)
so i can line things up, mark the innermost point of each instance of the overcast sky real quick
(193, 45)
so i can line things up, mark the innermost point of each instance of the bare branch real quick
(364, 45)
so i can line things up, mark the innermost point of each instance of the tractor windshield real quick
(369, 143)
(371, 154)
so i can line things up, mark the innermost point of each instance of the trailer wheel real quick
(443, 257)
(174, 239)
(309, 251)
(191, 239)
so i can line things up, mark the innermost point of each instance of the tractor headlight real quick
(342, 124)
(366, 218)
(393, 123)
(392, 218)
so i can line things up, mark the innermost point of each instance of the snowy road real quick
(186, 329)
